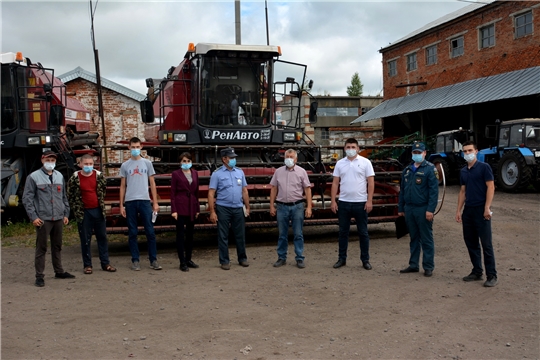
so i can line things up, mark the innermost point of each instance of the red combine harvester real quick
(227, 95)
(37, 115)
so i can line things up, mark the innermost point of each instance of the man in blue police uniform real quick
(228, 187)
(417, 202)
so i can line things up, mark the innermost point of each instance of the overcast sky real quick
(138, 40)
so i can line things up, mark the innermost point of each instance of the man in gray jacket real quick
(47, 206)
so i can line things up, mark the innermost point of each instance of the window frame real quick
(524, 26)
(412, 56)
(433, 56)
(462, 47)
(392, 70)
(490, 37)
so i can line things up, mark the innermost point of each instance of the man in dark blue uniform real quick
(417, 202)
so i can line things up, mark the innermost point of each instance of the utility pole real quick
(98, 83)
(237, 27)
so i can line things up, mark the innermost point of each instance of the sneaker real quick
(154, 265)
(491, 281)
(64, 275)
(280, 262)
(473, 277)
(135, 266)
(226, 266)
(40, 282)
(301, 264)
(191, 264)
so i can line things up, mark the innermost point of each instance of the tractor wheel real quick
(513, 174)
(443, 169)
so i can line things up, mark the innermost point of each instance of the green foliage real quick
(356, 87)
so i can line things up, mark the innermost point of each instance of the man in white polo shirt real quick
(355, 179)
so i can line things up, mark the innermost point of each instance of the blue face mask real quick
(88, 169)
(135, 152)
(232, 162)
(186, 166)
(418, 158)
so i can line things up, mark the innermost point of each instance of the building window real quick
(411, 62)
(325, 134)
(392, 68)
(431, 55)
(487, 36)
(337, 111)
(524, 24)
(457, 46)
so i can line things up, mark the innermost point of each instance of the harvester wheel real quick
(513, 174)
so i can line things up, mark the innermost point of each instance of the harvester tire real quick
(512, 172)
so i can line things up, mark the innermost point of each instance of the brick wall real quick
(122, 115)
(508, 53)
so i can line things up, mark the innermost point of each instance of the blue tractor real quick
(448, 155)
(515, 157)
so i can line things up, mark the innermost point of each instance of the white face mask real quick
(289, 162)
(351, 152)
(469, 157)
(49, 166)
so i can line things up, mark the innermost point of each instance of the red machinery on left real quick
(37, 115)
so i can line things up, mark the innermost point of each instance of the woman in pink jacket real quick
(185, 208)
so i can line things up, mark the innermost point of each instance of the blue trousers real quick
(93, 221)
(476, 231)
(232, 218)
(134, 209)
(295, 215)
(421, 234)
(346, 211)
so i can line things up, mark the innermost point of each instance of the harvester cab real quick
(37, 116)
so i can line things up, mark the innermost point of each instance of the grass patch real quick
(24, 234)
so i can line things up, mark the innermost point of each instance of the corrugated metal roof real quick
(497, 87)
(440, 21)
(79, 72)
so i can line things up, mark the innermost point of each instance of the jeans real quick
(421, 234)
(54, 229)
(184, 246)
(233, 218)
(294, 214)
(476, 231)
(144, 209)
(93, 221)
(346, 211)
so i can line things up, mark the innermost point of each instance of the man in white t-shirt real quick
(355, 179)
(136, 174)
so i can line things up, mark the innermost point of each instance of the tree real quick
(356, 86)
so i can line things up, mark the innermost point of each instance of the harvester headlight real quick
(47, 139)
(34, 140)
(180, 137)
(289, 136)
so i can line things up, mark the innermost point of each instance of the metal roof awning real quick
(497, 87)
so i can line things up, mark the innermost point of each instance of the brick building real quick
(120, 107)
(468, 68)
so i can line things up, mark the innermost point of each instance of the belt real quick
(290, 204)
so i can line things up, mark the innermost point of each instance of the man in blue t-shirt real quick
(136, 174)
(477, 190)
(228, 187)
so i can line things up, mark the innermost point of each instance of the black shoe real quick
(192, 265)
(40, 282)
(184, 267)
(408, 270)
(491, 281)
(367, 265)
(340, 263)
(472, 277)
(428, 273)
(301, 264)
(280, 262)
(64, 275)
